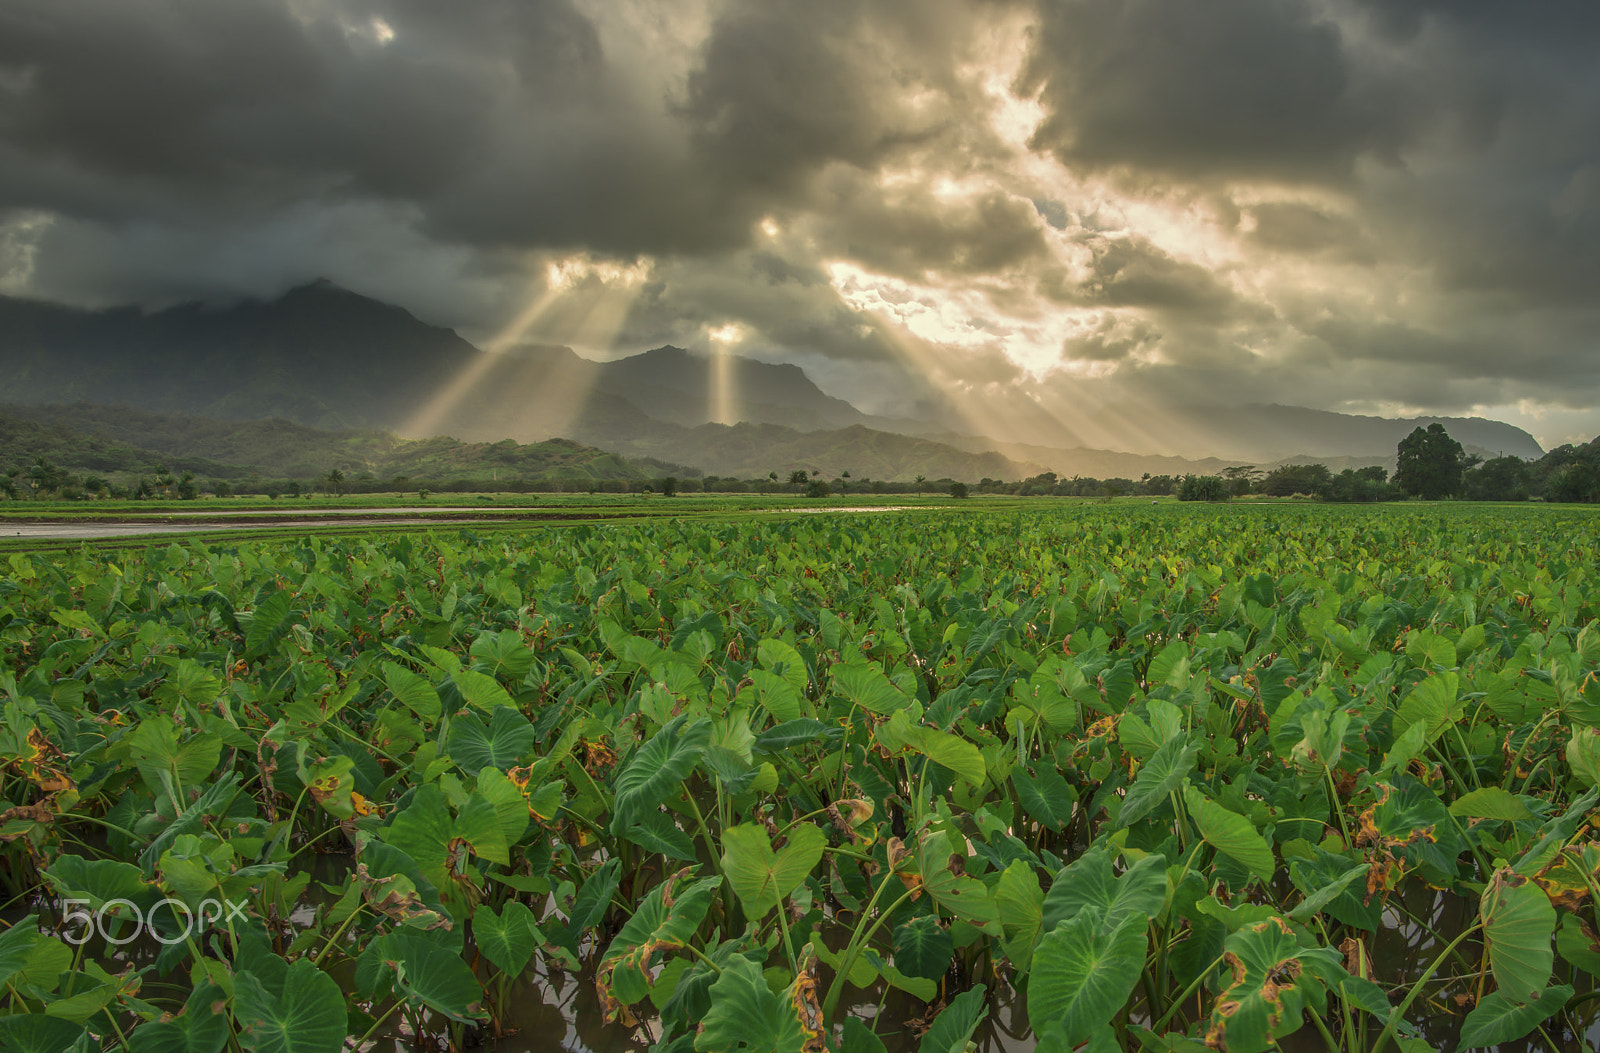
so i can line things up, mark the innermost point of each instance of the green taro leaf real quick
(1266, 997)
(16, 946)
(482, 691)
(1430, 649)
(1433, 702)
(656, 832)
(38, 1033)
(1579, 944)
(154, 749)
(1583, 755)
(268, 623)
(1089, 888)
(762, 877)
(667, 918)
(942, 860)
(654, 771)
(1490, 802)
(198, 1029)
(414, 692)
(505, 654)
(777, 695)
(430, 974)
(863, 973)
(791, 733)
(501, 743)
(1082, 975)
(1325, 892)
(1326, 870)
(784, 661)
(1158, 778)
(593, 901)
(423, 832)
(305, 1014)
(953, 1027)
(1048, 798)
(1261, 589)
(1498, 1019)
(507, 940)
(1518, 922)
(922, 947)
(1021, 905)
(746, 1017)
(952, 751)
(1230, 833)
(868, 687)
(916, 986)
(210, 804)
(858, 1039)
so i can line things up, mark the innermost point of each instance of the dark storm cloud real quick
(499, 123)
(1220, 90)
(1562, 24)
(909, 231)
(1282, 226)
(1131, 272)
(1294, 200)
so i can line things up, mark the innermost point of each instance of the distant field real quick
(1032, 770)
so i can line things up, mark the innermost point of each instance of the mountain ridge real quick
(326, 357)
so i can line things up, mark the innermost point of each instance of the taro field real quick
(1083, 777)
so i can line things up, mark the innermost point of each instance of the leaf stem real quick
(1416, 988)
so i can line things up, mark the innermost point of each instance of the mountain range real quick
(326, 357)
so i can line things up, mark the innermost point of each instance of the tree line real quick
(1430, 465)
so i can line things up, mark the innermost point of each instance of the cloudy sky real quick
(1375, 206)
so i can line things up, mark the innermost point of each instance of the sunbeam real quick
(722, 396)
(432, 416)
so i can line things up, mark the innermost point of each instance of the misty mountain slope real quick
(118, 439)
(323, 356)
(326, 357)
(1256, 434)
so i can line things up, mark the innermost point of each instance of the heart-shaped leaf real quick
(762, 877)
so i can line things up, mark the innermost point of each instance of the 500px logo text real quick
(210, 911)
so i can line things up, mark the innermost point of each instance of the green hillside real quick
(118, 445)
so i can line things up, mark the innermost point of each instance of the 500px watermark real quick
(209, 911)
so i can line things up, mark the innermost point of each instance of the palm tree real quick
(920, 480)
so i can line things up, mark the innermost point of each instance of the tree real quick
(920, 480)
(669, 486)
(1429, 463)
(818, 488)
(1203, 488)
(1240, 477)
(1287, 479)
(798, 477)
(958, 490)
(1498, 479)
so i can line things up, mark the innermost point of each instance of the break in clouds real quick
(1364, 205)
